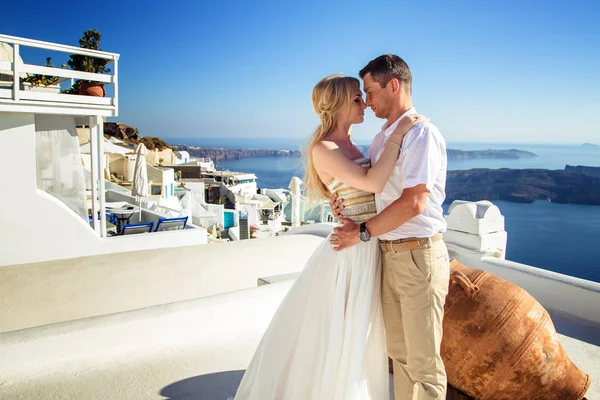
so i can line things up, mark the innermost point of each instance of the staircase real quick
(244, 228)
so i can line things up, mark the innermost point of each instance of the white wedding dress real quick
(326, 341)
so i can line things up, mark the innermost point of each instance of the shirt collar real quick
(389, 128)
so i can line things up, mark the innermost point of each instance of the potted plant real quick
(38, 82)
(90, 40)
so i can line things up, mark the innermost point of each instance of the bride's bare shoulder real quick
(323, 148)
(326, 145)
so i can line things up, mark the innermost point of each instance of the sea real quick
(564, 238)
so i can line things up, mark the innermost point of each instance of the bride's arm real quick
(330, 159)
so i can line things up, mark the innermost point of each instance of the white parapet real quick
(477, 226)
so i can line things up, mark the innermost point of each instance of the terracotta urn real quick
(499, 342)
(92, 89)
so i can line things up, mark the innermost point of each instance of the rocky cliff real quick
(511, 154)
(129, 134)
(523, 185)
(583, 170)
(121, 131)
(231, 154)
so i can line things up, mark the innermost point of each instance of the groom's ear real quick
(394, 85)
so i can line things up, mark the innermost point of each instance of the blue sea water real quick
(563, 238)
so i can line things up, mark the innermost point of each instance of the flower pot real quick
(92, 89)
(28, 87)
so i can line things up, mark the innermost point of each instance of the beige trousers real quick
(414, 289)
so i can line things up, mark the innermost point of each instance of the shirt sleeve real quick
(421, 159)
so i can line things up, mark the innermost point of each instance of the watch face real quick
(364, 236)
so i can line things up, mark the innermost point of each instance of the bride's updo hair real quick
(330, 95)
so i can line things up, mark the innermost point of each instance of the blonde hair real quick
(328, 97)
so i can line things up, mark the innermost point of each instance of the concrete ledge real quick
(575, 296)
(494, 240)
(50, 292)
(564, 293)
(220, 324)
(321, 230)
(478, 218)
(266, 280)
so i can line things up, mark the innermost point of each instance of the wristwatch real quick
(365, 236)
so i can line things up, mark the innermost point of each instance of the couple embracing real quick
(377, 287)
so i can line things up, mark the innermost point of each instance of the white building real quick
(44, 211)
(205, 164)
(183, 157)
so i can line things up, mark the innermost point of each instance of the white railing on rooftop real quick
(14, 99)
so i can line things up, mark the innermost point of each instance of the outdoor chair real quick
(171, 224)
(132, 229)
(109, 217)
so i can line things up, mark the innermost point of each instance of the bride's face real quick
(356, 114)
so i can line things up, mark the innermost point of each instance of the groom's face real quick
(378, 98)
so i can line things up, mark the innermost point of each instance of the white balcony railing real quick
(14, 99)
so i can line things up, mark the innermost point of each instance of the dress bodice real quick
(359, 205)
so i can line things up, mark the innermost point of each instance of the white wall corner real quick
(476, 226)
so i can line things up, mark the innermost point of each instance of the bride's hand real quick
(406, 125)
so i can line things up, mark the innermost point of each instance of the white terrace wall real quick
(35, 226)
(476, 238)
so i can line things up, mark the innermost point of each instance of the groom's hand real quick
(336, 205)
(346, 235)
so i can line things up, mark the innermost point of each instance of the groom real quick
(409, 225)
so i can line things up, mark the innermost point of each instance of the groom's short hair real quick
(386, 67)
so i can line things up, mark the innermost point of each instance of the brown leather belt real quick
(407, 244)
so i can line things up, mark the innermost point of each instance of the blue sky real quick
(482, 71)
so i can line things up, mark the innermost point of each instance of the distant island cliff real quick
(234, 154)
(217, 153)
(512, 154)
(523, 185)
(584, 170)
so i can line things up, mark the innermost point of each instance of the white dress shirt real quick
(422, 160)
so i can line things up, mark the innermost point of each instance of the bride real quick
(326, 341)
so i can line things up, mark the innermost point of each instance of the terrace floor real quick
(195, 349)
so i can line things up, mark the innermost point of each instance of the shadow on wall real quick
(217, 386)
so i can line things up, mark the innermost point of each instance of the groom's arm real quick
(421, 164)
(409, 205)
